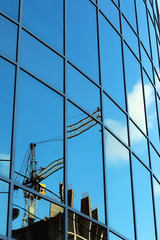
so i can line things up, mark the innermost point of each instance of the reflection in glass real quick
(10, 7)
(113, 237)
(4, 190)
(118, 187)
(151, 111)
(82, 38)
(128, 8)
(111, 62)
(39, 145)
(110, 11)
(45, 19)
(130, 37)
(142, 24)
(7, 75)
(41, 61)
(85, 169)
(82, 91)
(134, 89)
(8, 39)
(81, 228)
(115, 119)
(143, 201)
(156, 189)
(146, 63)
(139, 143)
(155, 162)
(37, 220)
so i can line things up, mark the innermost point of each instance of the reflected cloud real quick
(4, 156)
(4, 168)
(156, 189)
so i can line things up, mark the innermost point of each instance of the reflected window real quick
(85, 167)
(118, 187)
(110, 11)
(39, 143)
(45, 19)
(7, 76)
(115, 119)
(82, 38)
(8, 39)
(128, 8)
(36, 218)
(139, 143)
(10, 7)
(134, 89)
(143, 201)
(4, 191)
(41, 61)
(81, 228)
(82, 91)
(151, 111)
(111, 62)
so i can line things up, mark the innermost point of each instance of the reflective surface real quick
(10, 7)
(118, 187)
(4, 192)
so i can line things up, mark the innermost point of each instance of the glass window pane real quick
(139, 143)
(110, 11)
(7, 76)
(4, 190)
(155, 162)
(113, 237)
(8, 39)
(45, 19)
(146, 63)
(82, 91)
(151, 111)
(84, 160)
(10, 7)
(36, 218)
(143, 201)
(81, 228)
(142, 24)
(156, 188)
(41, 61)
(130, 37)
(82, 36)
(39, 150)
(115, 119)
(128, 8)
(111, 62)
(118, 187)
(134, 89)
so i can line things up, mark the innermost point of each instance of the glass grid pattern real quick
(123, 145)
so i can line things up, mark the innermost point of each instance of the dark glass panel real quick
(156, 188)
(36, 218)
(45, 19)
(39, 122)
(139, 143)
(111, 62)
(85, 168)
(82, 91)
(115, 119)
(4, 190)
(130, 37)
(41, 61)
(7, 76)
(128, 8)
(10, 7)
(146, 63)
(8, 39)
(155, 162)
(82, 36)
(151, 111)
(81, 228)
(143, 201)
(142, 24)
(153, 44)
(110, 11)
(134, 89)
(118, 187)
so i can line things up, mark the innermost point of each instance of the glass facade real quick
(80, 119)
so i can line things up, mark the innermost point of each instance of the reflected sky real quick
(4, 189)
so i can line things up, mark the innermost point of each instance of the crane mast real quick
(33, 178)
